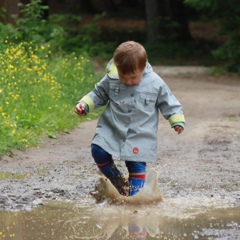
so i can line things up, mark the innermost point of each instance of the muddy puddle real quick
(177, 218)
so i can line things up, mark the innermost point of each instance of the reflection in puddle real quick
(173, 219)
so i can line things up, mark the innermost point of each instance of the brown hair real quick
(130, 56)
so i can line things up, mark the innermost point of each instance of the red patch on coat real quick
(135, 150)
(121, 102)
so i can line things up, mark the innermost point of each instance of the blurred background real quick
(52, 52)
(174, 32)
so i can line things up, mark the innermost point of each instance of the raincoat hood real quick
(112, 71)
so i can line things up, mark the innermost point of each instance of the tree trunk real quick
(166, 19)
(105, 5)
(179, 15)
(151, 16)
(11, 8)
(45, 13)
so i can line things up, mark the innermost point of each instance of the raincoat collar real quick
(112, 71)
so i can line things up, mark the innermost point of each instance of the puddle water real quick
(179, 218)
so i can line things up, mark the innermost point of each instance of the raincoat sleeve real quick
(170, 107)
(99, 96)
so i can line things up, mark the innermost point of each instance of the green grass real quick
(38, 93)
(12, 175)
(22, 175)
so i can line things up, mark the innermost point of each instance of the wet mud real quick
(44, 192)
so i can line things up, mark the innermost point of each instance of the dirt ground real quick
(203, 161)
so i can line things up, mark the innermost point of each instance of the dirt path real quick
(204, 160)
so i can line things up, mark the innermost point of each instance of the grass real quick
(38, 93)
(13, 176)
(22, 175)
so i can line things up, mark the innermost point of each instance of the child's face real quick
(131, 79)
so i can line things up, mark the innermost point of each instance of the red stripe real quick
(138, 175)
(102, 165)
(140, 234)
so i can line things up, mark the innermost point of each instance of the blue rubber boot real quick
(107, 167)
(115, 176)
(135, 185)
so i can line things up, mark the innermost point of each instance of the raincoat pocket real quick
(147, 101)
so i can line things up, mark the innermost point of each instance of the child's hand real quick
(80, 109)
(178, 129)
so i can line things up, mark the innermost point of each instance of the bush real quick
(39, 83)
(227, 15)
(64, 33)
(38, 93)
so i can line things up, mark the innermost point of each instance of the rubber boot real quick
(135, 185)
(115, 176)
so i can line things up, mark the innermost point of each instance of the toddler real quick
(133, 94)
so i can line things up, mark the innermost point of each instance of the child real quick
(134, 95)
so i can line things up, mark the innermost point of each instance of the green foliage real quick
(169, 29)
(201, 5)
(175, 53)
(227, 16)
(31, 27)
(230, 52)
(38, 93)
(39, 83)
(218, 70)
(6, 30)
(82, 37)
(64, 33)
(77, 37)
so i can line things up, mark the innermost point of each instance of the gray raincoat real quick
(128, 126)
